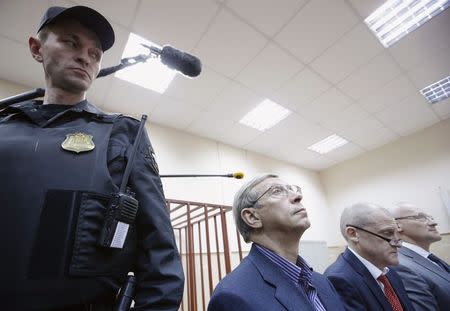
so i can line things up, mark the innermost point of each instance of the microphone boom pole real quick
(237, 175)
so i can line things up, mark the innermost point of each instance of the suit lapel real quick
(326, 296)
(425, 263)
(286, 293)
(368, 279)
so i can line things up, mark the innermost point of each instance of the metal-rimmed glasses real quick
(422, 217)
(392, 242)
(280, 191)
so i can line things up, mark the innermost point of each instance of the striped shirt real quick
(300, 275)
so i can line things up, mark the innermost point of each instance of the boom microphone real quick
(187, 64)
(237, 175)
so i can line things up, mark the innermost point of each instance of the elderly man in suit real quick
(425, 276)
(360, 275)
(269, 212)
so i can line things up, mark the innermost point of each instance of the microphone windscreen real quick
(238, 175)
(187, 64)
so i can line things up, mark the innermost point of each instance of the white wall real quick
(178, 152)
(410, 169)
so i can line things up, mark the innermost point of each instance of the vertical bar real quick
(238, 235)
(191, 265)
(181, 255)
(226, 247)
(188, 272)
(208, 251)
(217, 248)
(201, 266)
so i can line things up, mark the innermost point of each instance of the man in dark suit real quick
(425, 276)
(360, 275)
(273, 277)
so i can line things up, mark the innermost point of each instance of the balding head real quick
(402, 209)
(415, 226)
(361, 214)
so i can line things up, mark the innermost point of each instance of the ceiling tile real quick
(30, 12)
(423, 43)
(119, 11)
(301, 89)
(208, 125)
(371, 76)
(341, 119)
(298, 131)
(442, 108)
(345, 152)
(234, 102)
(394, 91)
(199, 91)
(32, 76)
(366, 7)
(431, 70)
(238, 135)
(175, 114)
(328, 104)
(229, 44)
(128, 98)
(267, 71)
(368, 133)
(357, 47)
(174, 22)
(264, 15)
(308, 34)
(408, 116)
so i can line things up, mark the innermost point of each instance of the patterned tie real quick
(390, 294)
(440, 262)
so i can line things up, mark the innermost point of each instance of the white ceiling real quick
(314, 57)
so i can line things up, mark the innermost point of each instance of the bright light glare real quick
(328, 144)
(152, 74)
(265, 115)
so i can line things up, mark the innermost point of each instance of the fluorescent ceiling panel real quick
(265, 115)
(152, 74)
(328, 144)
(396, 18)
(437, 91)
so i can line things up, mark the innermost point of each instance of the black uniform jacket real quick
(52, 205)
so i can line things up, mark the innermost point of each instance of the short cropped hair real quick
(359, 214)
(245, 198)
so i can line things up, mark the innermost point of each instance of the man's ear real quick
(351, 234)
(35, 48)
(399, 228)
(251, 217)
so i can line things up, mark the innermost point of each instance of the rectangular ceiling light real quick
(265, 115)
(396, 18)
(330, 143)
(437, 91)
(152, 74)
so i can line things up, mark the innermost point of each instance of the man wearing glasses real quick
(269, 212)
(361, 275)
(425, 276)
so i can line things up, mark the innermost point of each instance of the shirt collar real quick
(374, 271)
(292, 271)
(419, 250)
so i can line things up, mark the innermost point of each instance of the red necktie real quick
(390, 294)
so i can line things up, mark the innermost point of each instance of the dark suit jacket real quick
(357, 287)
(427, 285)
(257, 284)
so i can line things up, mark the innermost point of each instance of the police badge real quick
(78, 142)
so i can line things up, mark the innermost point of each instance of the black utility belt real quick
(84, 234)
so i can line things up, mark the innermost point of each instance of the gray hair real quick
(360, 214)
(245, 198)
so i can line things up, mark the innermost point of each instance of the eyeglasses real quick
(392, 242)
(280, 191)
(422, 217)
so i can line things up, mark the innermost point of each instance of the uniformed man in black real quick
(61, 163)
